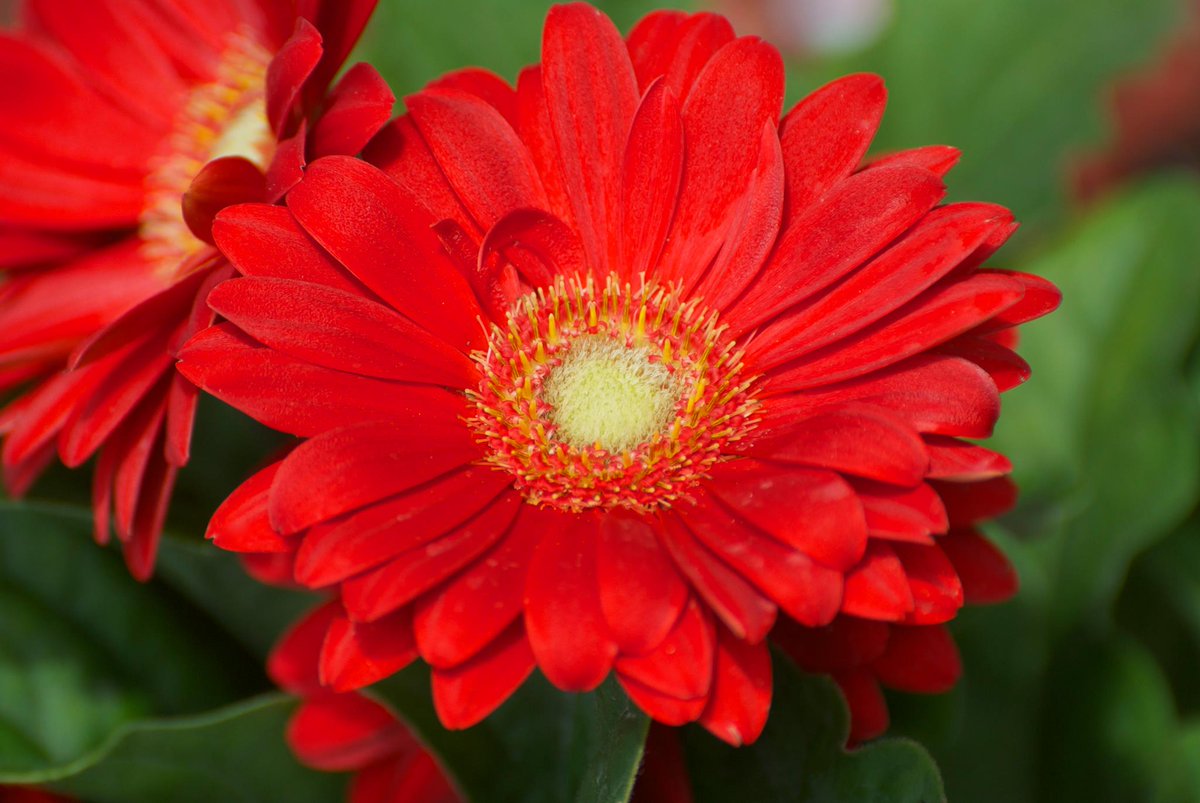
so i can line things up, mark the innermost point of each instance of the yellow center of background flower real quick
(607, 395)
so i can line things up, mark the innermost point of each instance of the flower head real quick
(126, 127)
(609, 372)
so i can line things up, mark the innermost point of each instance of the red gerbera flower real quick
(108, 111)
(605, 372)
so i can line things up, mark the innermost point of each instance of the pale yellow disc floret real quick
(608, 394)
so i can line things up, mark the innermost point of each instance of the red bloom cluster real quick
(615, 370)
(110, 111)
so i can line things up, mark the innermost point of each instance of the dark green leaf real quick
(542, 745)
(800, 757)
(236, 754)
(84, 648)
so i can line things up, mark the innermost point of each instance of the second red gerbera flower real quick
(609, 372)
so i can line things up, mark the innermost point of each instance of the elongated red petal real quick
(357, 654)
(479, 153)
(641, 593)
(650, 180)
(563, 616)
(662, 707)
(740, 606)
(902, 514)
(465, 694)
(854, 221)
(806, 590)
(950, 458)
(877, 588)
(986, 574)
(353, 543)
(293, 662)
(936, 590)
(741, 695)
(240, 524)
(351, 333)
(681, 666)
(345, 469)
(460, 618)
(817, 512)
(827, 134)
(591, 94)
(923, 660)
(357, 108)
(343, 732)
(868, 709)
(376, 593)
(298, 397)
(387, 244)
(722, 142)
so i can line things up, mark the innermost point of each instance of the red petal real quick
(662, 707)
(986, 575)
(664, 775)
(457, 620)
(937, 159)
(267, 241)
(939, 395)
(387, 244)
(300, 398)
(826, 135)
(484, 85)
(923, 660)
(1041, 297)
(806, 590)
(817, 512)
(132, 444)
(936, 590)
(722, 141)
(479, 153)
(868, 709)
(845, 643)
(358, 107)
(650, 179)
(533, 124)
(339, 330)
(681, 665)
(935, 317)
(952, 459)
(413, 775)
(221, 183)
(538, 244)
(402, 154)
(567, 631)
(591, 94)
(1004, 366)
(288, 71)
(240, 524)
(345, 469)
(902, 514)
(878, 587)
(467, 693)
(927, 252)
(292, 664)
(357, 654)
(343, 732)
(141, 547)
(754, 223)
(641, 593)
(740, 606)
(741, 694)
(852, 440)
(399, 581)
(57, 200)
(852, 223)
(353, 543)
(676, 46)
(564, 619)
(971, 502)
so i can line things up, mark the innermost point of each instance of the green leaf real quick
(1018, 85)
(236, 754)
(542, 745)
(1104, 437)
(799, 756)
(214, 581)
(84, 648)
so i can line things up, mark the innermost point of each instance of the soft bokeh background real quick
(1084, 688)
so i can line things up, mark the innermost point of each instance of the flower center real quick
(609, 397)
(227, 117)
